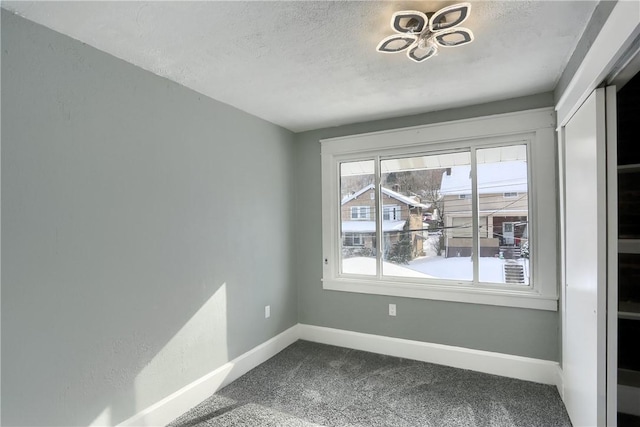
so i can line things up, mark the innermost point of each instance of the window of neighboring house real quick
(360, 212)
(391, 213)
(351, 239)
(464, 256)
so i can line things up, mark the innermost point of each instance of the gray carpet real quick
(310, 384)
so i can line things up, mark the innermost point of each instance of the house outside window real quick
(462, 171)
(497, 171)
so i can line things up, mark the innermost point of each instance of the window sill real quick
(525, 298)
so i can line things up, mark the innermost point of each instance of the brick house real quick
(401, 215)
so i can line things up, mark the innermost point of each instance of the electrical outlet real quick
(267, 311)
(392, 309)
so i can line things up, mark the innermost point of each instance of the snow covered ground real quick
(455, 268)
(367, 266)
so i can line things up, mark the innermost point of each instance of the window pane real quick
(426, 224)
(504, 212)
(358, 218)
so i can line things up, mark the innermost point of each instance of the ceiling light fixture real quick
(421, 34)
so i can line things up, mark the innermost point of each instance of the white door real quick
(507, 233)
(585, 307)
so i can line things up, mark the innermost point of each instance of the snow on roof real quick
(502, 177)
(400, 197)
(370, 226)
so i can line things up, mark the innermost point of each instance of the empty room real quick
(320, 213)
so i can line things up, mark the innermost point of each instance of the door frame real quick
(614, 41)
(607, 60)
(601, 309)
(611, 262)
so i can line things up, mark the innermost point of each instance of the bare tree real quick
(354, 183)
(422, 183)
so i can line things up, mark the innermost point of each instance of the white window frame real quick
(536, 128)
(388, 209)
(359, 210)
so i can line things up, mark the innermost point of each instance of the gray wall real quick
(144, 229)
(532, 333)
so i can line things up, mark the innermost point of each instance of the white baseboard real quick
(176, 404)
(629, 400)
(560, 381)
(506, 365)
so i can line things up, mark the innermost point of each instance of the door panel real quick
(584, 352)
(612, 257)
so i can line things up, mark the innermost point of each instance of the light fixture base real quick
(421, 34)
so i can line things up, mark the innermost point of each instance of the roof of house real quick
(400, 197)
(500, 177)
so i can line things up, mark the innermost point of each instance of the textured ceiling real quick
(311, 64)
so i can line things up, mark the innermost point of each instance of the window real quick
(351, 239)
(391, 213)
(448, 253)
(360, 212)
(482, 247)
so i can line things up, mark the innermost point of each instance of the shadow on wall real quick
(114, 364)
(207, 328)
